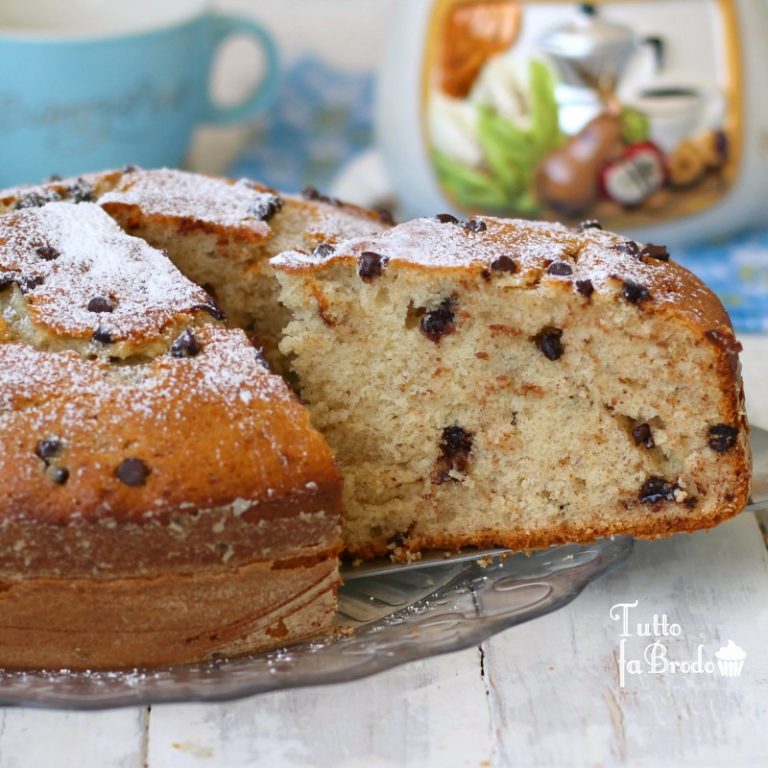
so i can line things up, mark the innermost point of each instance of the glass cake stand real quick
(388, 615)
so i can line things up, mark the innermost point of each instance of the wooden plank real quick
(31, 738)
(432, 713)
(555, 694)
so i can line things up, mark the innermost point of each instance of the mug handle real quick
(265, 91)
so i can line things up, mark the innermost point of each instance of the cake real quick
(169, 498)
(508, 383)
(165, 497)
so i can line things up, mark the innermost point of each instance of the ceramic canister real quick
(644, 114)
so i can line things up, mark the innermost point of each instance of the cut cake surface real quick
(519, 384)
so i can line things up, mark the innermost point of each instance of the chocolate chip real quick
(722, 437)
(132, 472)
(81, 191)
(48, 448)
(28, 283)
(129, 169)
(59, 475)
(47, 252)
(267, 207)
(385, 215)
(455, 441)
(585, 287)
(504, 264)
(628, 247)
(589, 224)
(6, 280)
(560, 269)
(102, 335)
(659, 252)
(548, 342)
(100, 304)
(54, 177)
(634, 292)
(371, 265)
(400, 539)
(440, 321)
(259, 355)
(322, 250)
(185, 345)
(212, 308)
(311, 193)
(474, 225)
(656, 488)
(446, 218)
(642, 435)
(29, 200)
(455, 449)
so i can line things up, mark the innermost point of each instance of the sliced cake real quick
(496, 382)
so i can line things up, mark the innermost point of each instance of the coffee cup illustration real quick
(677, 110)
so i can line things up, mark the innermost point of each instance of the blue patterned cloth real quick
(323, 119)
(737, 271)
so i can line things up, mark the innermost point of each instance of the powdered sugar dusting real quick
(431, 243)
(45, 394)
(329, 223)
(594, 255)
(186, 420)
(86, 256)
(226, 370)
(183, 195)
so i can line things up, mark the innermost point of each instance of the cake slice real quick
(497, 382)
(165, 498)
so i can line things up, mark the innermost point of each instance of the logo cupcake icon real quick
(730, 659)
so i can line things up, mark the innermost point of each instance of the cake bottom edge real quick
(127, 623)
(404, 547)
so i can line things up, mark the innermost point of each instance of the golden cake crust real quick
(177, 618)
(224, 444)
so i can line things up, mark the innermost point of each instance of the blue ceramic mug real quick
(100, 85)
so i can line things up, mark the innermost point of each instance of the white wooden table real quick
(545, 693)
